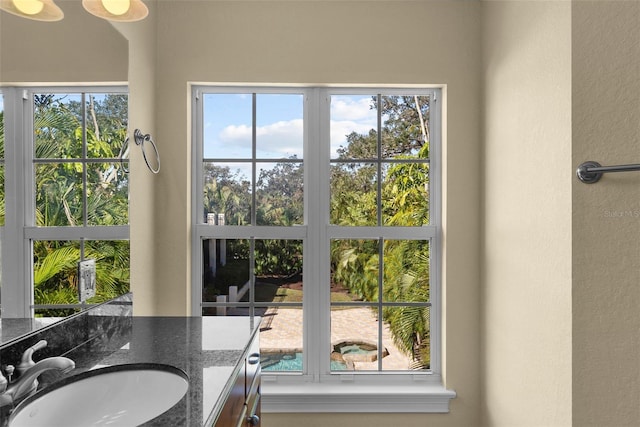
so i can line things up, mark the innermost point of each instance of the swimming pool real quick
(290, 362)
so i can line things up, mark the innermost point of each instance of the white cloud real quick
(284, 138)
(235, 133)
(340, 130)
(276, 140)
(350, 114)
(348, 108)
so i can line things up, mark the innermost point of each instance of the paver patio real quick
(283, 331)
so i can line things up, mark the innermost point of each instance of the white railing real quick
(234, 296)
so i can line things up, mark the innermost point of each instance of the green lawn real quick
(278, 293)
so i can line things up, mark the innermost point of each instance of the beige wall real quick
(81, 48)
(526, 337)
(606, 215)
(330, 42)
(553, 338)
(142, 99)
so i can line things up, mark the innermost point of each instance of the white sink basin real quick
(120, 395)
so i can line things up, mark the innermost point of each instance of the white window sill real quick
(322, 397)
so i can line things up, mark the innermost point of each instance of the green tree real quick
(381, 177)
(404, 191)
(227, 192)
(60, 133)
(279, 202)
(279, 195)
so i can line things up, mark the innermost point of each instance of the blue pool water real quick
(290, 362)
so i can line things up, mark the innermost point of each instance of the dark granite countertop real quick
(10, 329)
(208, 349)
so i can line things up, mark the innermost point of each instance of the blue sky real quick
(279, 132)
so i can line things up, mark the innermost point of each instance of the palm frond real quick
(55, 262)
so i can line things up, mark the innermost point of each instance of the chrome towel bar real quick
(591, 172)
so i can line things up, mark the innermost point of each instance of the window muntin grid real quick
(383, 224)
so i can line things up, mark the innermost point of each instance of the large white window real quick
(66, 197)
(318, 209)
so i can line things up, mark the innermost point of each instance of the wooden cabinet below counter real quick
(242, 407)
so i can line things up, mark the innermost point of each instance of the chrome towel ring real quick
(139, 138)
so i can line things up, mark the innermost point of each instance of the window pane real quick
(354, 124)
(405, 194)
(227, 191)
(354, 274)
(112, 267)
(226, 270)
(59, 194)
(406, 271)
(58, 126)
(278, 271)
(411, 338)
(279, 132)
(356, 343)
(354, 194)
(378, 176)
(354, 339)
(279, 194)
(355, 277)
(228, 126)
(354, 270)
(107, 121)
(60, 131)
(281, 339)
(405, 126)
(107, 194)
(55, 269)
(55, 272)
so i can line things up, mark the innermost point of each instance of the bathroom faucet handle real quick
(9, 369)
(27, 360)
(5, 381)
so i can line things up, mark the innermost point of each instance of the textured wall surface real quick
(543, 85)
(526, 302)
(80, 48)
(606, 215)
(339, 42)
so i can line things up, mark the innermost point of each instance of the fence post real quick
(211, 220)
(223, 242)
(221, 311)
(233, 294)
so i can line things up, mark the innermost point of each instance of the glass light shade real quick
(116, 10)
(29, 7)
(38, 10)
(116, 7)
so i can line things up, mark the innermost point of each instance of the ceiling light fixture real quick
(38, 10)
(47, 10)
(116, 10)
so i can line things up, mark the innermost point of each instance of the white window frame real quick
(317, 389)
(20, 227)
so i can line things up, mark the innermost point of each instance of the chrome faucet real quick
(29, 371)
